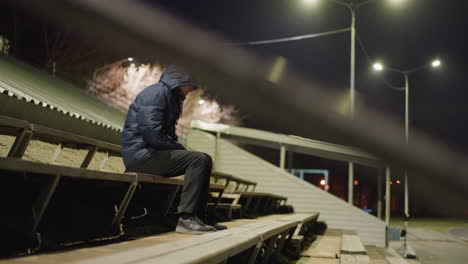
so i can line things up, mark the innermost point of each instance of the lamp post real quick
(406, 74)
(352, 7)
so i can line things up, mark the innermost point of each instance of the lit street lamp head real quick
(436, 63)
(397, 1)
(377, 66)
(311, 2)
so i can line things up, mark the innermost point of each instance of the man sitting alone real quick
(149, 145)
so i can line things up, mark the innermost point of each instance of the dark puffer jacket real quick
(152, 117)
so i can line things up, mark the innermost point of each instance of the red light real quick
(327, 187)
(356, 182)
(322, 182)
(398, 182)
(391, 182)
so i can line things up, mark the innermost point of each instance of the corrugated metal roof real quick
(292, 143)
(23, 82)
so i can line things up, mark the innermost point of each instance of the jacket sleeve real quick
(150, 117)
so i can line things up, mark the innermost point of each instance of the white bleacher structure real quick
(304, 196)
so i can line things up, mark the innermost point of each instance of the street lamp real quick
(436, 63)
(311, 2)
(397, 1)
(406, 73)
(378, 66)
(352, 7)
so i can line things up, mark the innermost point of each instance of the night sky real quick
(403, 37)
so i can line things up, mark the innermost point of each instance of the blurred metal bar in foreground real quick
(132, 27)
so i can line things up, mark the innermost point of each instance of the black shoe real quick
(193, 225)
(219, 227)
(203, 219)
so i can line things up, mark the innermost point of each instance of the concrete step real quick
(352, 249)
(326, 246)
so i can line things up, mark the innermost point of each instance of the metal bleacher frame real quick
(251, 203)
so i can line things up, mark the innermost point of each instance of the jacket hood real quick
(175, 76)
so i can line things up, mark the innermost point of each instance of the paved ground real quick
(434, 247)
(461, 233)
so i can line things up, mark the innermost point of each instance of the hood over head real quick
(175, 76)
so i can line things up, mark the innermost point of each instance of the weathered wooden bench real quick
(41, 195)
(25, 132)
(251, 243)
(259, 203)
(252, 203)
(231, 205)
(303, 235)
(228, 178)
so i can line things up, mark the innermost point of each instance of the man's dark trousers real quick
(197, 169)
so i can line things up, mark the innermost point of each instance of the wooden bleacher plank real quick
(303, 218)
(13, 122)
(208, 248)
(221, 175)
(12, 164)
(8, 125)
(351, 243)
(323, 261)
(57, 136)
(148, 178)
(327, 246)
(231, 206)
(233, 245)
(81, 254)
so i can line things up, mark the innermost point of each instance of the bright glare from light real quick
(130, 59)
(310, 2)
(397, 1)
(322, 182)
(201, 101)
(436, 63)
(356, 182)
(398, 181)
(377, 66)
